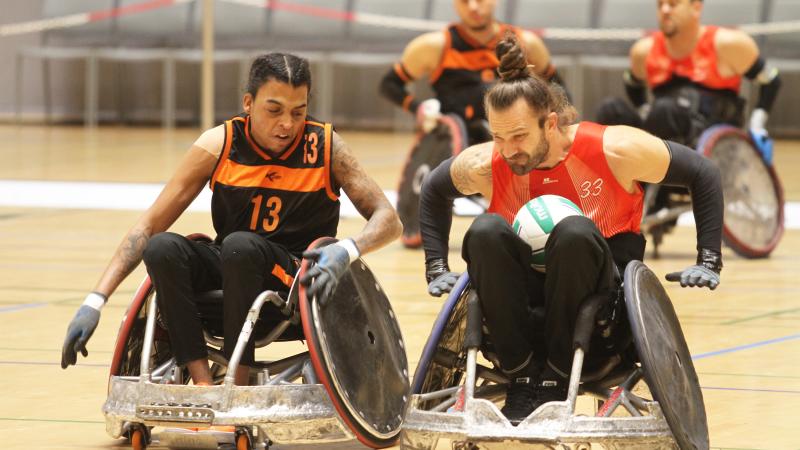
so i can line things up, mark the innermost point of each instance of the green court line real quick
(754, 375)
(760, 316)
(16, 419)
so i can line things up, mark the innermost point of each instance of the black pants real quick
(579, 264)
(666, 119)
(243, 266)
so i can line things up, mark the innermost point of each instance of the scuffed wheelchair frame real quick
(554, 425)
(281, 411)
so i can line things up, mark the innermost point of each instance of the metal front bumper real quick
(551, 426)
(288, 413)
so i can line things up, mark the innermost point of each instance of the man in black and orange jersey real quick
(694, 72)
(276, 175)
(460, 65)
(537, 149)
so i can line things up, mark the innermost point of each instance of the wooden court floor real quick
(745, 335)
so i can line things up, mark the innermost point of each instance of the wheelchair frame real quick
(276, 410)
(474, 420)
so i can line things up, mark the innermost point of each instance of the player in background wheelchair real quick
(694, 72)
(276, 174)
(460, 65)
(537, 149)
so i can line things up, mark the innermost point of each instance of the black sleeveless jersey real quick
(289, 198)
(466, 71)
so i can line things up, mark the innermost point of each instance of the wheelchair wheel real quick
(754, 200)
(357, 352)
(130, 338)
(437, 368)
(666, 361)
(430, 149)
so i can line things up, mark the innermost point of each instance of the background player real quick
(276, 175)
(694, 72)
(537, 150)
(460, 65)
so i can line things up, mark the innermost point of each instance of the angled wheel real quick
(357, 352)
(430, 149)
(753, 223)
(665, 357)
(438, 368)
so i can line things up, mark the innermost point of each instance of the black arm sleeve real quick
(689, 169)
(635, 89)
(769, 82)
(393, 87)
(436, 211)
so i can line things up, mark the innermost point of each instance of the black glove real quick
(78, 333)
(440, 279)
(703, 274)
(332, 261)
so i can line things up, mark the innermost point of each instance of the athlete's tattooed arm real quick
(192, 174)
(383, 224)
(472, 170)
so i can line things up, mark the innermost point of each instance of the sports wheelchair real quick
(352, 382)
(453, 394)
(450, 136)
(753, 221)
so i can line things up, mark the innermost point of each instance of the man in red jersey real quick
(694, 72)
(537, 150)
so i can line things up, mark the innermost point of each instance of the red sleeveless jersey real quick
(699, 66)
(583, 177)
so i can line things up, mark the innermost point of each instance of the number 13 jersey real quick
(289, 198)
(583, 177)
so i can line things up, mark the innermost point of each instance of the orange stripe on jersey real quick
(281, 274)
(328, 163)
(448, 46)
(475, 60)
(231, 173)
(401, 72)
(226, 151)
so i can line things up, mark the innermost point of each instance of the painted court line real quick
(47, 363)
(771, 391)
(746, 346)
(761, 316)
(139, 196)
(6, 309)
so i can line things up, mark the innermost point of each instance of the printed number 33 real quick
(272, 207)
(591, 188)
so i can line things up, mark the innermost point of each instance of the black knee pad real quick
(616, 111)
(161, 247)
(669, 120)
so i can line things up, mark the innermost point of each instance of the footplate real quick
(174, 412)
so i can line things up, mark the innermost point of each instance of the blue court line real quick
(772, 391)
(19, 307)
(746, 346)
(45, 363)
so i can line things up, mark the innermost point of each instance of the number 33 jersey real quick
(289, 198)
(583, 177)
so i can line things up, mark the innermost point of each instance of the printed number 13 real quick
(273, 206)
